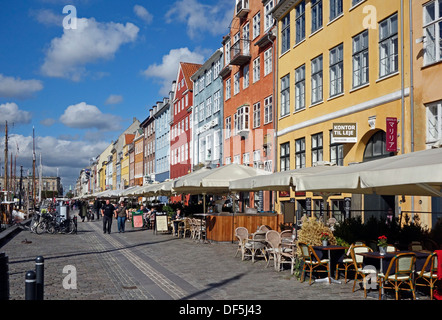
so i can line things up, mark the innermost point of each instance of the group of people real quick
(109, 211)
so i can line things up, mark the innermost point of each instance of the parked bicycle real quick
(63, 226)
(44, 222)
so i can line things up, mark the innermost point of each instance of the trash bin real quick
(137, 220)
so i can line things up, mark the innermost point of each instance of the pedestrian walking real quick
(107, 211)
(121, 213)
(83, 210)
(97, 207)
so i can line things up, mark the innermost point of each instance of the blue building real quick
(208, 112)
(162, 117)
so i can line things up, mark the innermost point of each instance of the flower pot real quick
(324, 243)
(382, 250)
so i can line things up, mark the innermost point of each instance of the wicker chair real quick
(358, 262)
(346, 263)
(428, 278)
(273, 239)
(288, 255)
(257, 245)
(243, 238)
(391, 248)
(286, 235)
(312, 261)
(400, 271)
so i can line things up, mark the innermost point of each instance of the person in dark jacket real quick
(97, 207)
(108, 212)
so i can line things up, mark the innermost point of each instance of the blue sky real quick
(81, 85)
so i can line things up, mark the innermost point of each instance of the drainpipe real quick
(411, 93)
(402, 77)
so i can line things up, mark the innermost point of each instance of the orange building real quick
(138, 157)
(248, 79)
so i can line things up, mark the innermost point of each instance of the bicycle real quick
(44, 222)
(63, 226)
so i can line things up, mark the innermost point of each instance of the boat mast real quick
(33, 166)
(6, 161)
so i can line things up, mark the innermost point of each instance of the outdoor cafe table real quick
(338, 252)
(382, 261)
(203, 215)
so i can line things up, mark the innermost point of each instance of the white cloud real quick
(114, 99)
(201, 18)
(10, 112)
(67, 56)
(16, 88)
(166, 72)
(67, 156)
(48, 122)
(47, 17)
(143, 14)
(85, 116)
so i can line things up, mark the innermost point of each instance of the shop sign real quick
(345, 133)
(391, 135)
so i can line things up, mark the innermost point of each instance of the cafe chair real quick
(288, 255)
(415, 246)
(286, 235)
(428, 277)
(391, 248)
(273, 239)
(358, 265)
(243, 242)
(257, 245)
(312, 261)
(399, 272)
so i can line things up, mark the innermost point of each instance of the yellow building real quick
(343, 73)
(128, 139)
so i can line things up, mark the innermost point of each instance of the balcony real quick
(240, 52)
(242, 8)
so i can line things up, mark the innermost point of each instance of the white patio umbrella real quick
(278, 181)
(416, 173)
(215, 181)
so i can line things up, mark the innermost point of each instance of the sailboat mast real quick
(33, 166)
(6, 160)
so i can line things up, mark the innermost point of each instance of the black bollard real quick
(39, 270)
(30, 283)
(4, 277)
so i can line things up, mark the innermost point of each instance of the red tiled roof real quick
(188, 70)
(129, 138)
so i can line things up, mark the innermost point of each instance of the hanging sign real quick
(391, 135)
(344, 133)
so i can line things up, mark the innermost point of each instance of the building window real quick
(228, 160)
(267, 61)
(300, 88)
(360, 59)
(285, 33)
(268, 19)
(216, 145)
(317, 150)
(388, 46)
(256, 25)
(316, 6)
(268, 110)
(256, 69)
(257, 115)
(216, 101)
(209, 77)
(228, 89)
(208, 107)
(227, 53)
(285, 95)
(433, 32)
(201, 112)
(434, 122)
(236, 83)
(246, 77)
(336, 152)
(285, 156)
(237, 159)
(336, 70)
(242, 119)
(228, 127)
(300, 22)
(300, 153)
(317, 79)
(246, 39)
(335, 9)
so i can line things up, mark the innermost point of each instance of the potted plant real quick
(324, 238)
(382, 244)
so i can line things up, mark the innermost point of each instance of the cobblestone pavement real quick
(139, 265)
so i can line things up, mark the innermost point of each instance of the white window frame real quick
(432, 26)
(256, 25)
(434, 121)
(388, 46)
(268, 109)
(268, 55)
(257, 115)
(256, 69)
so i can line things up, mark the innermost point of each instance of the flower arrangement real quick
(382, 241)
(324, 236)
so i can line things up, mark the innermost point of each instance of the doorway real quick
(377, 206)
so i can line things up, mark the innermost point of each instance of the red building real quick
(181, 123)
(249, 57)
